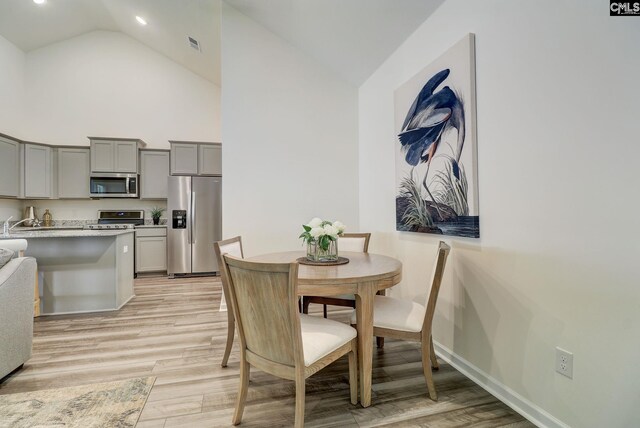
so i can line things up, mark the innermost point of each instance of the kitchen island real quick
(81, 270)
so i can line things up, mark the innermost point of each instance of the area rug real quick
(111, 404)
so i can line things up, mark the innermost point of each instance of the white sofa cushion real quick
(322, 336)
(5, 256)
(396, 314)
(15, 245)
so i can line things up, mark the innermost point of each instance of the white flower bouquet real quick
(321, 237)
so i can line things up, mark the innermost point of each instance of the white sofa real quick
(16, 312)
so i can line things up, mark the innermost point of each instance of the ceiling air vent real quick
(194, 43)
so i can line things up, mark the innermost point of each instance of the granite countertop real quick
(57, 233)
(35, 229)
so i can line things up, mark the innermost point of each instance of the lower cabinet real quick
(151, 249)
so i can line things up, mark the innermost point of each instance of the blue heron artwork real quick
(436, 149)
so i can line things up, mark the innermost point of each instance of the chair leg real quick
(231, 328)
(353, 372)
(434, 360)
(300, 399)
(305, 305)
(242, 391)
(324, 310)
(426, 368)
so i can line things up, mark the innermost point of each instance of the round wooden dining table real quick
(363, 276)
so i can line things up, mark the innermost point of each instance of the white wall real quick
(557, 90)
(12, 66)
(290, 139)
(108, 84)
(10, 208)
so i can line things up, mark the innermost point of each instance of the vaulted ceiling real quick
(169, 23)
(351, 37)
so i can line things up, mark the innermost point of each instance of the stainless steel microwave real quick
(113, 185)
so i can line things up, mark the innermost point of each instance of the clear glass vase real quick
(316, 254)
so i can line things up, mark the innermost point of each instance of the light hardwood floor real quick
(174, 331)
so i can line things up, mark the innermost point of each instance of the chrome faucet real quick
(6, 229)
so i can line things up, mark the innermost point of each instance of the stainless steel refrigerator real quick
(195, 223)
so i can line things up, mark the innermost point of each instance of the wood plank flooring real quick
(174, 331)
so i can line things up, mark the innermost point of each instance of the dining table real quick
(363, 276)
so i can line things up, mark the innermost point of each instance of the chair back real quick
(356, 242)
(232, 246)
(436, 280)
(264, 299)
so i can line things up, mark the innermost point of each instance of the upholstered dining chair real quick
(355, 242)
(275, 337)
(232, 246)
(408, 320)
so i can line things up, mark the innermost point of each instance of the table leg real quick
(364, 316)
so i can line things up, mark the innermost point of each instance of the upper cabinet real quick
(39, 172)
(184, 158)
(9, 167)
(154, 171)
(210, 159)
(192, 158)
(73, 172)
(115, 155)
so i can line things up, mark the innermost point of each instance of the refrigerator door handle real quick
(193, 217)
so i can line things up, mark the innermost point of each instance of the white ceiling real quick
(350, 37)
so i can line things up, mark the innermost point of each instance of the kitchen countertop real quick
(65, 233)
(149, 226)
(35, 229)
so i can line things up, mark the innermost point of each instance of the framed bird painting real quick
(436, 152)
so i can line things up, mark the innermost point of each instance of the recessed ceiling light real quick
(140, 19)
(39, 1)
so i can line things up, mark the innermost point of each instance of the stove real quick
(111, 220)
(108, 226)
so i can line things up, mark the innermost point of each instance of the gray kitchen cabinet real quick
(154, 171)
(210, 159)
(39, 171)
(184, 158)
(73, 172)
(102, 156)
(126, 156)
(151, 249)
(114, 155)
(9, 167)
(193, 158)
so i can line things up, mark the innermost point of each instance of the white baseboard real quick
(517, 402)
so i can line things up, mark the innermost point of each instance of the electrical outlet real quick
(125, 249)
(564, 362)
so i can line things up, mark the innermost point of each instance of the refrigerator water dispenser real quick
(179, 219)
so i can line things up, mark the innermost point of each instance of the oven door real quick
(114, 186)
